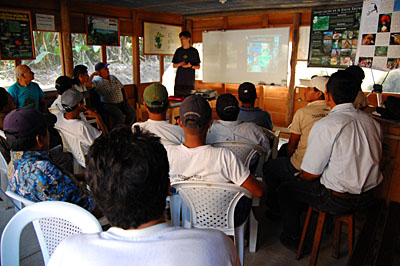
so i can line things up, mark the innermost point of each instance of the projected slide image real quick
(259, 56)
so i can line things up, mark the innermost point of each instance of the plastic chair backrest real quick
(4, 182)
(19, 201)
(245, 151)
(273, 140)
(212, 205)
(72, 144)
(58, 219)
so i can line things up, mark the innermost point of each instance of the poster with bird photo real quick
(379, 45)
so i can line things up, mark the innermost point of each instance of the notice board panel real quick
(334, 37)
(16, 40)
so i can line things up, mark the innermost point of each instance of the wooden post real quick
(293, 62)
(104, 54)
(135, 51)
(66, 45)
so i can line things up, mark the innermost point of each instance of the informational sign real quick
(161, 39)
(334, 37)
(102, 31)
(45, 22)
(16, 39)
(379, 45)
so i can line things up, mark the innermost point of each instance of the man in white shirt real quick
(231, 129)
(131, 190)
(193, 160)
(277, 170)
(341, 164)
(156, 102)
(63, 83)
(73, 121)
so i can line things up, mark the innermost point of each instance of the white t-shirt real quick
(80, 128)
(56, 106)
(205, 163)
(237, 131)
(156, 245)
(346, 148)
(163, 129)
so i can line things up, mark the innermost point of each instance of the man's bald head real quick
(24, 75)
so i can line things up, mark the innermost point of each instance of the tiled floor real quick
(269, 251)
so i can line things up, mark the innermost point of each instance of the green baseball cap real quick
(155, 96)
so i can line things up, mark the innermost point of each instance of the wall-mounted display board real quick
(16, 40)
(379, 45)
(334, 37)
(255, 55)
(160, 39)
(102, 31)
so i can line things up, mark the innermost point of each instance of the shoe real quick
(289, 243)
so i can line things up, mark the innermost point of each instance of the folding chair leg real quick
(253, 232)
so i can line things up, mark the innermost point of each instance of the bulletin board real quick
(334, 37)
(16, 40)
(161, 39)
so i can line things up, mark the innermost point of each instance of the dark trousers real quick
(296, 194)
(117, 112)
(182, 90)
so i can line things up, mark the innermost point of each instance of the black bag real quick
(392, 108)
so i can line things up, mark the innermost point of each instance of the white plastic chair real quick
(245, 151)
(73, 145)
(273, 140)
(212, 205)
(58, 220)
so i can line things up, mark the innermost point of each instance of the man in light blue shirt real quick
(25, 92)
(341, 164)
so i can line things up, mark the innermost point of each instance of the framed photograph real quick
(160, 39)
(102, 31)
(16, 40)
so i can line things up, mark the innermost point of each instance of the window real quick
(47, 65)
(168, 78)
(7, 73)
(149, 66)
(83, 54)
(120, 60)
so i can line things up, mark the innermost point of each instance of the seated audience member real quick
(82, 78)
(130, 188)
(195, 161)
(31, 173)
(229, 128)
(110, 90)
(63, 83)
(25, 92)
(249, 113)
(6, 105)
(277, 170)
(361, 100)
(156, 102)
(341, 164)
(73, 119)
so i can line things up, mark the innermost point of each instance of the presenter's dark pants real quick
(182, 90)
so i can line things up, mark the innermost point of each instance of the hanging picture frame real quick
(160, 39)
(102, 31)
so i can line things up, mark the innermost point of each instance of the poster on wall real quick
(334, 37)
(16, 40)
(379, 45)
(102, 31)
(161, 39)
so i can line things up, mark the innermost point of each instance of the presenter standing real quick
(186, 59)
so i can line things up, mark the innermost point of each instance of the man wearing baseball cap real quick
(73, 119)
(114, 102)
(249, 113)
(193, 160)
(32, 174)
(156, 101)
(229, 128)
(276, 171)
(63, 83)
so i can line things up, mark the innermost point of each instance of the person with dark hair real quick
(127, 173)
(193, 160)
(82, 78)
(6, 105)
(361, 101)
(156, 102)
(63, 83)
(25, 92)
(276, 171)
(31, 173)
(341, 165)
(231, 129)
(186, 59)
(114, 101)
(249, 113)
(73, 119)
